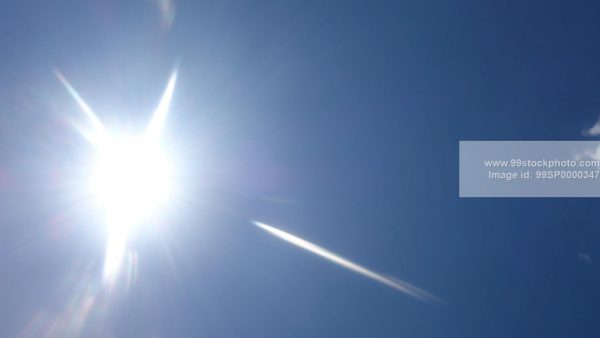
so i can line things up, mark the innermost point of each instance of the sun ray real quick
(131, 176)
(160, 114)
(94, 120)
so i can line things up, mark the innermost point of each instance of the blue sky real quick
(337, 121)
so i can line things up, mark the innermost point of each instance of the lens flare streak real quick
(399, 285)
(94, 120)
(160, 114)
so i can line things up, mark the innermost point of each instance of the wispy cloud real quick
(584, 258)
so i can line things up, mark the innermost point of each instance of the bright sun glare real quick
(131, 177)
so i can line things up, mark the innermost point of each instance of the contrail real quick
(399, 285)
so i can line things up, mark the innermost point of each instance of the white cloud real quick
(593, 131)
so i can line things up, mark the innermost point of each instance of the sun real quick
(132, 176)
(131, 179)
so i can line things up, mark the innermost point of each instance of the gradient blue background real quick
(337, 121)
